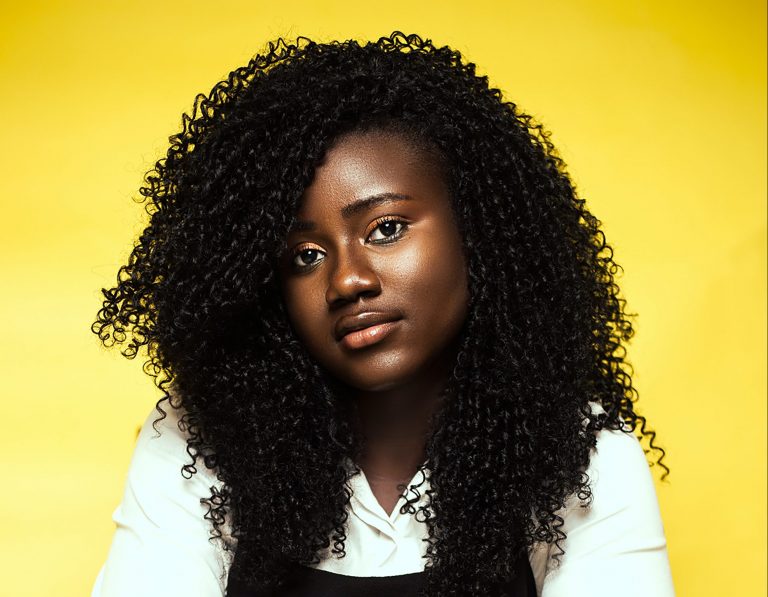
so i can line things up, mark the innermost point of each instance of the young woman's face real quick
(374, 279)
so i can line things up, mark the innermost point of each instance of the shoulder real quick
(158, 458)
(619, 473)
(619, 536)
(162, 543)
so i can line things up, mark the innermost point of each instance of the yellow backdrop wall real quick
(659, 109)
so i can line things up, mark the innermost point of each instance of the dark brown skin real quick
(419, 278)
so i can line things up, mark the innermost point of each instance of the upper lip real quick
(350, 323)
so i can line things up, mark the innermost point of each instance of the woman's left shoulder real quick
(618, 469)
(615, 545)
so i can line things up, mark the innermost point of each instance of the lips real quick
(350, 323)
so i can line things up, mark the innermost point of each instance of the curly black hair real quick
(200, 293)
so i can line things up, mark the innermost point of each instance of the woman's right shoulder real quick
(162, 543)
(161, 427)
(161, 453)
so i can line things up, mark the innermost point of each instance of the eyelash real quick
(385, 241)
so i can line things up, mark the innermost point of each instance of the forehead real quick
(360, 165)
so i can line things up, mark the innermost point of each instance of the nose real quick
(351, 276)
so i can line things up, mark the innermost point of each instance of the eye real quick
(390, 227)
(306, 258)
(386, 230)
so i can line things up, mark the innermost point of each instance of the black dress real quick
(310, 582)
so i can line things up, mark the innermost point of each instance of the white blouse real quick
(161, 545)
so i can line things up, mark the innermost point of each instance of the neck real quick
(394, 425)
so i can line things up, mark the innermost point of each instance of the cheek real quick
(436, 282)
(304, 307)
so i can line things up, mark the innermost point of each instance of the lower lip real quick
(368, 336)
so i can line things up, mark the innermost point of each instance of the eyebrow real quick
(354, 208)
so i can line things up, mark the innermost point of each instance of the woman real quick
(390, 346)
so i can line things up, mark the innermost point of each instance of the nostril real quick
(351, 287)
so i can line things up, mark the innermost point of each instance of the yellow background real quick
(659, 109)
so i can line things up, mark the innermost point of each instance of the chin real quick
(379, 376)
(376, 385)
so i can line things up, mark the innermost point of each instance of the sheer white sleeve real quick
(161, 545)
